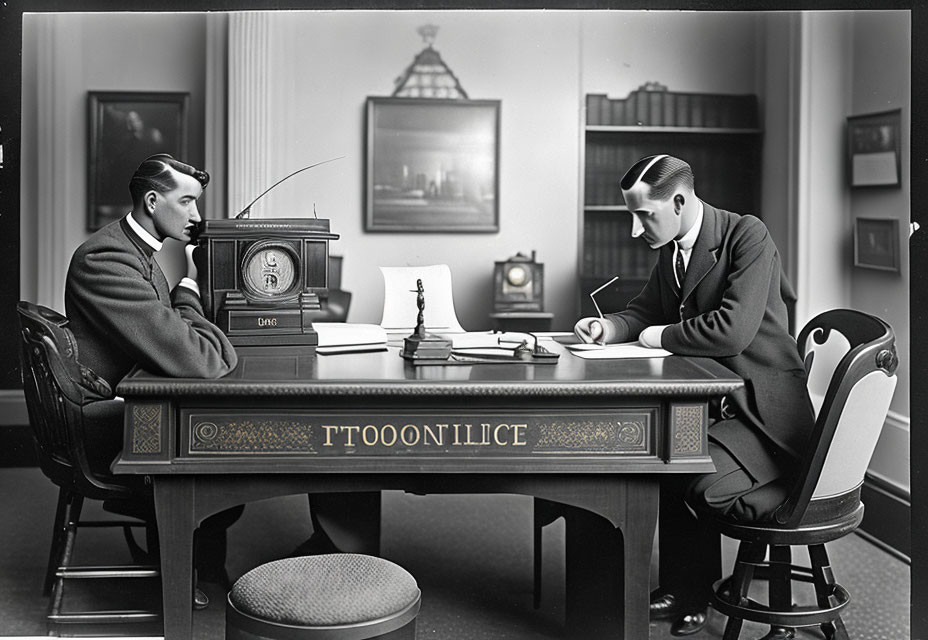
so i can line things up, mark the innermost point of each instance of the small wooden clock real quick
(518, 284)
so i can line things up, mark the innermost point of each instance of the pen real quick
(598, 310)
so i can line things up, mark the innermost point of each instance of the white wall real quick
(882, 81)
(823, 280)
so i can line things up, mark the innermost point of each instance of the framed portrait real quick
(124, 129)
(874, 153)
(432, 165)
(876, 243)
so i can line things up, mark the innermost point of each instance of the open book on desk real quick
(485, 339)
(504, 345)
(616, 351)
(347, 337)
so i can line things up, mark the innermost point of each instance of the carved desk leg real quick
(174, 511)
(609, 562)
(641, 509)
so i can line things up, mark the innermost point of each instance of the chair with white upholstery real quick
(851, 362)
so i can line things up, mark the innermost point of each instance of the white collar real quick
(149, 239)
(689, 239)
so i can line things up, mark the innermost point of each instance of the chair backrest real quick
(851, 361)
(57, 387)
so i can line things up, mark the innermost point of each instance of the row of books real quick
(722, 168)
(609, 249)
(662, 108)
(606, 163)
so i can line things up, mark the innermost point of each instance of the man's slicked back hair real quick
(664, 174)
(154, 174)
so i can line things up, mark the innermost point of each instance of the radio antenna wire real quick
(246, 212)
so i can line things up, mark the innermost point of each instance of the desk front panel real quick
(292, 412)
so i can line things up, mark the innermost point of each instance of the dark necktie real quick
(679, 267)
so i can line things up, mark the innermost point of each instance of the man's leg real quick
(346, 522)
(209, 546)
(689, 556)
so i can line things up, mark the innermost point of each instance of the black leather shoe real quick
(663, 607)
(689, 623)
(200, 599)
(780, 633)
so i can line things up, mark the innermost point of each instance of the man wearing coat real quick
(716, 291)
(123, 313)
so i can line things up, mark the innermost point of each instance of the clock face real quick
(517, 276)
(269, 272)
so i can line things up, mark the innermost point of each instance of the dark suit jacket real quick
(122, 313)
(732, 309)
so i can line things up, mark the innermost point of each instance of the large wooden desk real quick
(592, 434)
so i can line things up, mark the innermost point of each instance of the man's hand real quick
(191, 265)
(590, 330)
(651, 336)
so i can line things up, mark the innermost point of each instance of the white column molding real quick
(801, 189)
(217, 64)
(59, 198)
(249, 114)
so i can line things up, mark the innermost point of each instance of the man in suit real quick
(716, 291)
(123, 313)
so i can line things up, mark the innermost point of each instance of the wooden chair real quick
(851, 361)
(58, 390)
(339, 596)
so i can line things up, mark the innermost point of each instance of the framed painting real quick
(874, 154)
(876, 243)
(432, 165)
(124, 129)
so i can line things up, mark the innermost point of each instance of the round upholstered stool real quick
(339, 596)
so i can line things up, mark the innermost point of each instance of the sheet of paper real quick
(400, 310)
(332, 334)
(615, 351)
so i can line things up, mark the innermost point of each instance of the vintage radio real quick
(518, 284)
(264, 281)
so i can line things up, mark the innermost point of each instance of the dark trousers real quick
(690, 558)
(350, 520)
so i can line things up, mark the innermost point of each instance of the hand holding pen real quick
(593, 330)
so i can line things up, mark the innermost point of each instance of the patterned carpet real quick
(470, 554)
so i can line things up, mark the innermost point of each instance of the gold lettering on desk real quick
(267, 322)
(413, 435)
(252, 432)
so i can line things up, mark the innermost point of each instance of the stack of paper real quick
(345, 337)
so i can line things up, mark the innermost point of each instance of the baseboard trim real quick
(887, 516)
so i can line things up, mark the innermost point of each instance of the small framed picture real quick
(874, 154)
(125, 128)
(876, 243)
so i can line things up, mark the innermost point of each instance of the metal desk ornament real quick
(421, 345)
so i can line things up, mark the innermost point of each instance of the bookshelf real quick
(718, 134)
